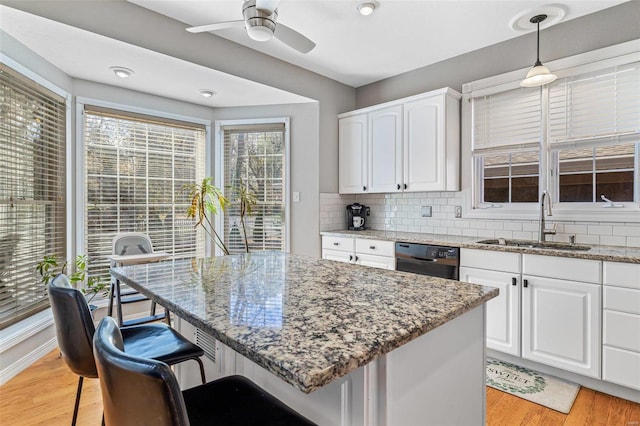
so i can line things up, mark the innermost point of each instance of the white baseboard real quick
(10, 371)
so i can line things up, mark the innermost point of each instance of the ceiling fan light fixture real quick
(366, 9)
(539, 75)
(259, 32)
(122, 72)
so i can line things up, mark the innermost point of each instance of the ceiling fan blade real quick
(216, 26)
(268, 6)
(293, 39)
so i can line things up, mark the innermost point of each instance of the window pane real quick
(611, 168)
(511, 177)
(136, 169)
(254, 158)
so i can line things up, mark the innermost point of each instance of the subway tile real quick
(633, 241)
(609, 240)
(599, 230)
(512, 226)
(629, 231)
(575, 229)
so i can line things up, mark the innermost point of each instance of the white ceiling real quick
(400, 36)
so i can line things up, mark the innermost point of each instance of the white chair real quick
(127, 246)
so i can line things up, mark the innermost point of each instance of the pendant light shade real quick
(539, 75)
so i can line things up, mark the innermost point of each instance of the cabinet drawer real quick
(377, 247)
(583, 270)
(382, 262)
(621, 367)
(337, 243)
(338, 256)
(621, 330)
(621, 274)
(622, 299)
(491, 260)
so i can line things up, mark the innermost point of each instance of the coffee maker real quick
(357, 217)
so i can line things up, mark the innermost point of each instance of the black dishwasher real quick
(436, 261)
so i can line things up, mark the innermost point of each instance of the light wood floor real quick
(44, 394)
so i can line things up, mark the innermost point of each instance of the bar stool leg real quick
(77, 405)
(118, 302)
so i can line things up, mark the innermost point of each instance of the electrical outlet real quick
(458, 211)
(426, 211)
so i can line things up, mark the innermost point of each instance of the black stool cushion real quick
(235, 400)
(159, 342)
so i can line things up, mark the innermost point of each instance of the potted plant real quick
(50, 266)
(207, 199)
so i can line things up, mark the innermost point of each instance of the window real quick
(255, 158)
(578, 137)
(32, 191)
(135, 169)
(506, 146)
(594, 121)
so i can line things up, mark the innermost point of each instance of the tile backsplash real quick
(402, 212)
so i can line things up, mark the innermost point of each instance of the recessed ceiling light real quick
(366, 9)
(207, 93)
(122, 72)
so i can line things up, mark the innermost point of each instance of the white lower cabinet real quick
(502, 312)
(366, 252)
(621, 324)
(561, 324)
(540, 314)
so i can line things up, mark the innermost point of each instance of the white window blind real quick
(507, 120)
(596, 107)
(136, 167)
(254, 157)
(32, 191)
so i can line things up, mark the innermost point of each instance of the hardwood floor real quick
(44, 394)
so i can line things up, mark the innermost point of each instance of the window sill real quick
(560, 213)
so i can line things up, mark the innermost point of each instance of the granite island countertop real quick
(308, 321)
(596, 252)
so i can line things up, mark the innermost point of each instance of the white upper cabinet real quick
(352, 154)
(412, 144)
(432, 144)
(385, 149)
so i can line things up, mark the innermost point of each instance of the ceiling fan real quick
(261, 23)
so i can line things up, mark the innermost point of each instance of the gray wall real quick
(132, 24)
(608, 27)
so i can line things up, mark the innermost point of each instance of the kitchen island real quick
(342, 344)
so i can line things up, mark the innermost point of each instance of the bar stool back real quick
(137, 391)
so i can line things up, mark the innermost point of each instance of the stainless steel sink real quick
(535, 244)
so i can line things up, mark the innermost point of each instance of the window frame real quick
(591, 61)
(30, 315)
(219, 168)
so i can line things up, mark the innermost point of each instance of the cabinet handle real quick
(336, 244)
(405, 186)
(364, 188)
(356, 258)
(398, 187)
(350, 257)
(526, 283)
(514, 281)
(372, 247)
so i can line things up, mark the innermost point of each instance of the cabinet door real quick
(424, 144)
(338, 256)
(382, 262)
(502, 312)
(561, 324)
(352, 154)
(385, 150)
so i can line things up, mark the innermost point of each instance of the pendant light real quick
(539, 75)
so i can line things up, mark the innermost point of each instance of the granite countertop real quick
(610, 253)
(308, 321)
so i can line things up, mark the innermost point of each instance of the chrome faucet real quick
(543, 229)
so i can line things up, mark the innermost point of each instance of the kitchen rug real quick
(536, 387)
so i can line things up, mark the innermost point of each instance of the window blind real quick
(32, 191)
(135, 169)
(254, 157)
(507, 120)
(596, 107)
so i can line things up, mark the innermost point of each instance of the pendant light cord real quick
(538, 49)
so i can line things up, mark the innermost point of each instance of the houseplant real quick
(51, 265)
